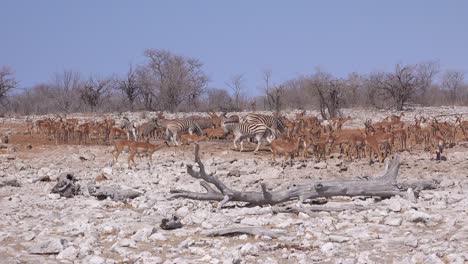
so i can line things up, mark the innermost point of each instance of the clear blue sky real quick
(38, 38)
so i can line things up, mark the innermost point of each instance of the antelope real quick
(462, 125)
(134, 147)
(375, 140)
(214, 133)
(337, 122)
(187, 139)
(143, 147)
(287, 146)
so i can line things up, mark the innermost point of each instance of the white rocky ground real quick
(39, 227)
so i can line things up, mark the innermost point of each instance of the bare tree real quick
(218, 100)
(426, 72)
(7, 82)
(354, 94)
(178, 79)
(65, 87)
(94, 91)
(149, 88)
(329, 93)
(129, 87)
(453, 81)
(274, 98)
(236, 85)
(273, 94)
(400, 85)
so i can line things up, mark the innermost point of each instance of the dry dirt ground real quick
(39, 227)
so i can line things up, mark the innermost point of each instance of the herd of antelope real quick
(301, 136)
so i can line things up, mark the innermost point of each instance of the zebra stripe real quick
(242, 131)
(181, 127)
(269, 121)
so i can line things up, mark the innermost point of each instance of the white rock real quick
(48, 246)
(393, 221)
(69, 253)
(411, 241)
(320, 165)
(183, 211)
(108, 229)
(206, 225)
(127, 243)
(446, 183)
(243, 237)
(248, 249)
(252, 221)
(417, 216)
(28, 236)
(107, 170)
(53, 196)
(433, 259)
(157, 236)
(94, 260)
(327, 247)
(455, 259)
(303, 215)
(339, 239)
(394, 205)
(143, 234)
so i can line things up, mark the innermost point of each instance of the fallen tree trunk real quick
(248, 230)
(382, 186)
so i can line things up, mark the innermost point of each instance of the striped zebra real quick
(272, 122)
(242, 131)
(181, 127)
(131, 129)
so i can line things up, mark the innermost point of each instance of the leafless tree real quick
(354, 94)
(273, 94)
(453, 82)
(218, 100)
(426, 72)
(296, 94)
(274, 98)
(94, 91)
(400, 85)
(129, 87)
(329, 93)
(65, 87)
(7, 82)
(178, 79)
(236, 85)
(149, 88)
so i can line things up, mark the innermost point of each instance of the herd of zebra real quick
(252, 126)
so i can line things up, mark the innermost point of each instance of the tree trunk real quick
(383, 186)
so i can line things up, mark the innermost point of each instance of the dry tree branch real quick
(382, 186)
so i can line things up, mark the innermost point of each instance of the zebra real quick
(242, 131)
(272, 122)
(147, 130)
(181, 126)
(130, 128)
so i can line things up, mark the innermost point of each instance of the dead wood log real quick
(310, 210)
(68, 186)
(113, 192)
(13, 183)
(249, 230)
(382, 186)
